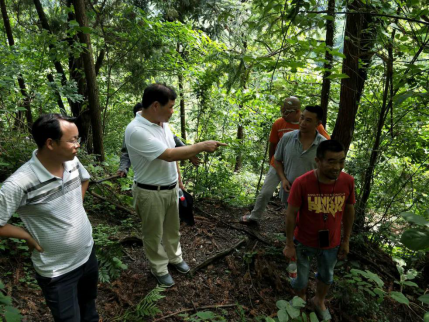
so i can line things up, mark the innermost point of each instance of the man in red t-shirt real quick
(291, 113)
(319, 202)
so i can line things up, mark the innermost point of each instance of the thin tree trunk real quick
(326, 85)
(358, 41)
(182, 109)
(21, 82)
(88, 63)
(240, 136)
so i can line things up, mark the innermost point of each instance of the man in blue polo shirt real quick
(47, 192)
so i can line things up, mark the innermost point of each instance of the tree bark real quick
(182, 109)
(358, 41)
(21, 82)
(88, 63)
(326, 85)
(240, 136)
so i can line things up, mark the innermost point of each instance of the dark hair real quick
(158, 93)
(328, 145)
(315, 109)
(137, 107)
(47, 126)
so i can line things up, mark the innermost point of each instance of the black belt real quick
(150, 187)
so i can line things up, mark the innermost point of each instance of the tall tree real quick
(91, 81)
(358, 41)
(21, 82)
(327, 65)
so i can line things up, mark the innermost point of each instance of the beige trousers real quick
(159, 213)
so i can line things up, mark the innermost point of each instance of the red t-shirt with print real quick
(315, 199)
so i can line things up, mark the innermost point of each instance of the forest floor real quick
(243, 285)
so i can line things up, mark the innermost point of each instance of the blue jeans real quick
(326, 260)
(71, 297)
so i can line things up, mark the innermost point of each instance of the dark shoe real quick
(164, 280)
(182, 267)
(246, 220)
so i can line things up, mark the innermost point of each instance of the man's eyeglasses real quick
(74, 141)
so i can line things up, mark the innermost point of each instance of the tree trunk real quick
(58, 96)
(326, 85)
(182, 109)
(88, 63)
(358, 40)
(21, 82)
(240, 136)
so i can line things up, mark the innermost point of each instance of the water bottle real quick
(182, 198)
(292, 269)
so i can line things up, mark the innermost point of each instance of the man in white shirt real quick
(152, 152)
(47, 192)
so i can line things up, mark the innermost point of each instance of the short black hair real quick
(47, 126)
(317, 109)
(328, 145)
(138, 107)
(158, 93)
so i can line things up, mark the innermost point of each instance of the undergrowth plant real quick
(146, 308)
(7, 311)
(108, 253)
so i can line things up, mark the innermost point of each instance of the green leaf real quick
(268, 319)
(313, 317)
(340, 76)
(416, 238)
(426, 317)
(206, 315)
(379, 291)
(399, 297)
(298, 302)
(424, 298)
(293, 312)
(281, 304)
(5, 300)
(85, 30)
(282, 315)
(12, 314)
(408, 283)
(1, 285)
(415, 219)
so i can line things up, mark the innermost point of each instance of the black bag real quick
(186, 209)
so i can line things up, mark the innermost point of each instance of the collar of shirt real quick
(316, 140)
(142, 120)
(41, 172)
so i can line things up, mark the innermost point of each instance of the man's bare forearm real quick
(272, 150)
(348, 219)
(11, 231)
(279, 169)
(85, 185)
(290, 224)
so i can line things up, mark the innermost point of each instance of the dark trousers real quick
(71, 297)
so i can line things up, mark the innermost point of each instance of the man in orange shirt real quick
(291, 112)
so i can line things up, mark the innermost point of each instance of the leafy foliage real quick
(7, 311)
(146, 307)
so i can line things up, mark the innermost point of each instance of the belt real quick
(150, 187)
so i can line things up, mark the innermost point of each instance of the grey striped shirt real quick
(52, 211)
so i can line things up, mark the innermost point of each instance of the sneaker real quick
(164, 280)
(246, 220)
(182, 267)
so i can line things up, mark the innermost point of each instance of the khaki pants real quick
(159, 213)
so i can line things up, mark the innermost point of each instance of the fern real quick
(146, 308)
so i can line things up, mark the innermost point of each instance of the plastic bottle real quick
(292, 268)
(182, 198)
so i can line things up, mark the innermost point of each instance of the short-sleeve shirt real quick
(295, 160)
(313, 203)
(145, 142)
(52, 211)
(280, 127)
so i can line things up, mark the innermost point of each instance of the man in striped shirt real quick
(47, 192)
